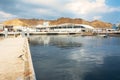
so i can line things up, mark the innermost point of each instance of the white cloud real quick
(42, 2)
(80, 8)
(46, 12)
(5, 16)
(41, 10)
(49, 2)
(85, 7)
(49, 7)
(89, 8)
(97, 17)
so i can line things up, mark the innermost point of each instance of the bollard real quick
(23, 34)
(6, 32)
(28, 33)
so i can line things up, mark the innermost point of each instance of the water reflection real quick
(83, 55)
(75, 58)
(40, 40)
(109, 71)
(61, 41)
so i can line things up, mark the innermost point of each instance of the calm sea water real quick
(75, 57)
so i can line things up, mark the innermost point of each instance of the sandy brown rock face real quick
(100, 24)
(65, 20)
(23, 22)
(34, 22)
(96, 23)
(15, 22)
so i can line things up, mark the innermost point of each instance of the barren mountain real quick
(96, 23)
(100, 24)
(23, 22)
(34, 22)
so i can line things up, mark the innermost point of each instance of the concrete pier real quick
(15, 60)
(27, 34)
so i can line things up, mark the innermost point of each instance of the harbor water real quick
(71, 57)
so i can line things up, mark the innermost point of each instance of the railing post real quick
(6, 32)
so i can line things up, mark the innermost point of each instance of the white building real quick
(23, 28)
(66, 27)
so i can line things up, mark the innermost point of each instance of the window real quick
(77, 27)
(82, 26)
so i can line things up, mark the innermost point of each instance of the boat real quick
(103, 35)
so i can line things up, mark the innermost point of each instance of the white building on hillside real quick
(66, 27)
(24, 28)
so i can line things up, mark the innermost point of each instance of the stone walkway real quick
(13, 59)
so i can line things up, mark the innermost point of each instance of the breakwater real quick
(15, 60)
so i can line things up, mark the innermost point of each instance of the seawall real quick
(15, 60)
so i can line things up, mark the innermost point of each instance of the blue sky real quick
(105, 10)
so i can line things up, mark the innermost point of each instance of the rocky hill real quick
(100, 24)
(68, 20)
(95, 23)
(34, 22)
(23, 22)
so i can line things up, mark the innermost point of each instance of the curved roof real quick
(87, 26)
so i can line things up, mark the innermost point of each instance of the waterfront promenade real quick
(15, 60)
(111, 33)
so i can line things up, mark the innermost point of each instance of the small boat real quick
(104, 36)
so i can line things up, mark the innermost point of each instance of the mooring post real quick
(28, 33)
(6, 32)
(23, 33)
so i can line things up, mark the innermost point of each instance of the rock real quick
(62, 20)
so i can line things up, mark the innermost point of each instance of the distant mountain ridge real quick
(62, 20)
(23, 22)
(95, 23)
